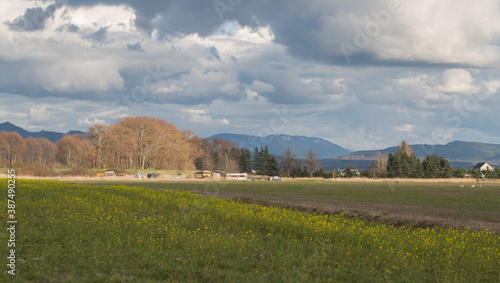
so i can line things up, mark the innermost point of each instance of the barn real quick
(483, 166)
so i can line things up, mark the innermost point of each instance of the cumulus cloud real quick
(198, 116)
(199, 86)
(405, 128)
(33, 19)
(88, 123)
(409, 64)
(394, 32)
(40, 115)
(457, 81)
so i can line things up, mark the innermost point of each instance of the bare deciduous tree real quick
(378, 167)
(288, 161)
(15, 146)
(311, 162)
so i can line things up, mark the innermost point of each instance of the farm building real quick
(219, 174)
(203, 174)
(355, 172)
(236, 176)
(110, 174)
(483, 166)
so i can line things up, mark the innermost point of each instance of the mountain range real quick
(461, 154)
(51, 136)
(278, 143)
(456, 151)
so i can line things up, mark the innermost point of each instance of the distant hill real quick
(459, 153)
(51, 136)
(278, 143)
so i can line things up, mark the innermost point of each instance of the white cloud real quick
(407, 76)
(194, 111)
(261, 35)
(115, 113)
(39, 115)
(405, 128)
(419, 90)
(199, 116)
(89, 17)
(442, 31)
(457, 81)
(88, 123)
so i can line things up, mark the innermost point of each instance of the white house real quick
(483, 166)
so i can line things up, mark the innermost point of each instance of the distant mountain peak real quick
(9, 124)
(463, 153)
(51, 136)
(279, 142)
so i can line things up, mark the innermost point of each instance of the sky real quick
(364, 74)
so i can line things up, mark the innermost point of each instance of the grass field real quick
(406, 202)
(73, 232)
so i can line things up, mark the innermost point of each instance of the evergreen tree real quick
(257, 161)
(349, 171)
(390, 165)
(299, 172)
(432, 167)
(263, 159)
(245, 160)
(397, 166)
(446, 170)
(419, 169)
(273, 168)
(459, 173)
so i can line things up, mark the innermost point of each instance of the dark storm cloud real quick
(69, 28)
(100, 36)
(213, 51)
(33, 19)
(135, 47)
(312, 30)
(350, 33)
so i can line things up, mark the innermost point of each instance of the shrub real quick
(77, 171)
(37, 170)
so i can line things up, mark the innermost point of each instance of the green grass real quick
(445, 200)
(71, 232)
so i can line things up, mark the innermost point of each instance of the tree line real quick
(225, 156)
(404, 164)
(152, 143)
(131, 143)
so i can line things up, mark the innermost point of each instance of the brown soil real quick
(395, 215)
